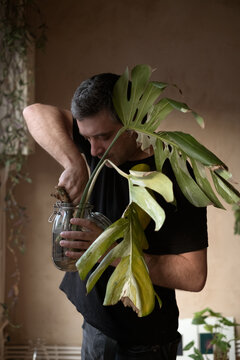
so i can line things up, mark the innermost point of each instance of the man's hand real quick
(74, 180)
(79, 240)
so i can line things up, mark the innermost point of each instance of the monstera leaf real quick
(130, 281)
(143, 112)
(139, 107)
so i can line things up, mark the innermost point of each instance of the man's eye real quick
(105, 137)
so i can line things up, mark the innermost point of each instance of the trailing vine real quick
(21, 29)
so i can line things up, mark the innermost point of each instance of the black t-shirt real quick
(184, 230)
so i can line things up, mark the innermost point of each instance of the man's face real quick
(100, 130)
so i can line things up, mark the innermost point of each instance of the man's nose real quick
(96, 148)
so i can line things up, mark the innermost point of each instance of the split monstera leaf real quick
(140, 109)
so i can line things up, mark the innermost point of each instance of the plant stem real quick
(86, 192)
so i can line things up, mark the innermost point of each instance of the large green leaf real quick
(130, 282)
(117, 252)
(157, 114)
(191, 147)
(153, 180)
(236, 210)
(133, 103)
(100, 246)
(140, 76)
(120, 99)
(185, 108)
(161, 153)
(126, 108)
(140, 109)
(201, 178)
(146, 103)
(223, 173)
(138, 181)
(226, 190)
(190, 189)
(142, 198)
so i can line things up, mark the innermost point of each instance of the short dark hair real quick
(94, 95)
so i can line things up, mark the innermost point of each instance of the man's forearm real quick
(186, 271)
(52, 129)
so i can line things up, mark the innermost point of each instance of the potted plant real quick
(143, 111)
(215, 324)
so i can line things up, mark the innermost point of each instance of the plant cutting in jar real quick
(143, 111)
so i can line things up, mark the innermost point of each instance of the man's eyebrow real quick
(97, 135)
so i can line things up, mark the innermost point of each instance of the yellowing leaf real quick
(154, 180)
(142, 198)
(100, 246)
(130, 282)
(144, 218)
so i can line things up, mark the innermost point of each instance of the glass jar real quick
(61, 216)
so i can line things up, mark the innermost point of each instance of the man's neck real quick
(140, 154)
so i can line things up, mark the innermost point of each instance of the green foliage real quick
(196, 355)
(130, 281)
(19, 29)
(21, 26)
(236, 209)
(219, 342)
(141, 110)
(6, 315)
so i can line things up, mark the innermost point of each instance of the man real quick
(176, 257)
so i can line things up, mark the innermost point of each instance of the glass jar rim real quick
(67, 205)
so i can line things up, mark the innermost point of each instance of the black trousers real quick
(97, 346)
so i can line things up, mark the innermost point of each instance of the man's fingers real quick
(74, 255)
(80, 235)
(79, 248)
(83, 245)
(87, 224)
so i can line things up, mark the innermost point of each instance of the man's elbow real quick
(199, 283)
(30, 110)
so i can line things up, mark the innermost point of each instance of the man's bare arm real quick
(51, 127)
(187, 271)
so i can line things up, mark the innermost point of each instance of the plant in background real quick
(215, 324)
(21, 28)
(143, 112)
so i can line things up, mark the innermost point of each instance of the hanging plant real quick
(21, 28)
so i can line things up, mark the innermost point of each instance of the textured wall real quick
(192, 43)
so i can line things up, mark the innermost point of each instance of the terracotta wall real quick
(192, 43)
